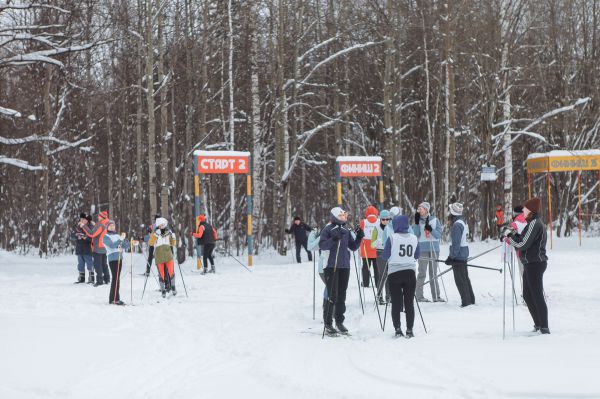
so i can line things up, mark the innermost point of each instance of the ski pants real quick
(434, 285)
(115, 271)
(163, 268)
(83, 261)
(366, 274)
(299, 246)
(101, 267)
(336, 285)
(463, 283)
(207, 254)
(533, 292)
(402, 289)
(381, 271)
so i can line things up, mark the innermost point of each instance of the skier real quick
(115, 244)
(531, 244)
(428, 230)
(401, 251)
(162, 241)
(96, 233)
(149, 231)
(337, 239)
(205, 235)
(459, 253)
(83, 250)
(299, 229)
(378, 239)
(499, 218)
(518, 224)
(368, 254)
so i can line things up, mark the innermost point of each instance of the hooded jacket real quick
(531, 243)
(402, 248)
(339, 248)
(368, 224)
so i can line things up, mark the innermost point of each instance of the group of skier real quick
(400, 256)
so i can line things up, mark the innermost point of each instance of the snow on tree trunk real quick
(232, 206)
(150, 107)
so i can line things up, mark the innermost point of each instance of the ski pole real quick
(234, 258)
(420, 314)
(314, 283)
(483, 253)
(386, 302)
(437, 270)
(468, 264)
(131, 269)
(182, 279)
(358, 284)
(117, 280)
(330, 289)
(442, 273)
(375, 298)
(504, 298)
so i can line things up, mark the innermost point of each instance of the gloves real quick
(123, 235)
(449, 261)
(360, 234)
(287, 231)
(417, 218)
(336, 234)
(507, 231)
(427, 225)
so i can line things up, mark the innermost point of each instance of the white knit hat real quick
(456, 209)
(337, 211)
(161, 222)
(425, 205)
(395, 211)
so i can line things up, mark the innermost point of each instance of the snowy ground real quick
(252, 335)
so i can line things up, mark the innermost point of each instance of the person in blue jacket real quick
(337, 239)
(459, 253)
(115, 244)
(428, 230)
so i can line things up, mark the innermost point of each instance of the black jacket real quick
(83, 244)
(299, 232)
(338, 240)
(531, 243)
(208, 236)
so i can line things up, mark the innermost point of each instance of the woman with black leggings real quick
(531, 244)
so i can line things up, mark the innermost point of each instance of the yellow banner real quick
(563, 164)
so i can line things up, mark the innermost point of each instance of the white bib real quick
(403, 248)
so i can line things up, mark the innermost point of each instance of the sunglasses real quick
(385, 220)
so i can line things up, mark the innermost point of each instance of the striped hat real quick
(456, 209)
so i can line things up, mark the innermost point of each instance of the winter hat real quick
(161, 223)
(337, 211)
(103, 214)
(456, 209)
(517, 210)
(385, 214)
(395, 211)
(201, 218)
(533, 204)
(83, 215)
(110, 221)
(297, 218)
(425, 205)
(371, 214)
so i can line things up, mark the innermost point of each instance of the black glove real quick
(360, 234)
(449, 261)
(507, 231)
(336, 233)
(287, 231)
(417, 218)
(427, 225)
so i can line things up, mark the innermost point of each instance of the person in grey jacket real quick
(428, 230)
(401, 250)
(115, 244)
(459, 253)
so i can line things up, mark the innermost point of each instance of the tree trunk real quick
(150, 108)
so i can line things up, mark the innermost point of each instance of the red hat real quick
(201, 218)
(533, 204)
(103, 214)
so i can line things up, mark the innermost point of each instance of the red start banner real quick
(223, 164)
(359, 168)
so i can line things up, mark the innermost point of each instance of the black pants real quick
(299, 246)
(366, 275)
(115, 270)
(533, 292)
(402, 288)
(207, 252)
(101, 268)
(337, 284)
(463, 283)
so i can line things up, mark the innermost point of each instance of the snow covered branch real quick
(19, 163)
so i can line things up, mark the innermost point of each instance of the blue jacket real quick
(431, 244)
(401, 226)
(341, 247)
(112, 242)
(457, 251)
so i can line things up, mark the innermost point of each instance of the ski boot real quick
(91, 278)
(173, 291)
(163, 292)
(439, 300)
(423, 299)
(81, 278)
(398, 333)
(330, 331)
(409, 334)
(545, 330)
(342, 329)
(381, 300)
(536, 329)
(212, 270)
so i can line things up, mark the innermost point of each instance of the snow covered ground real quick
(252, 335)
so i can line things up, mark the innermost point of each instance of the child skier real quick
(115, 244)
(161, 243)
(205, 236)
(401, 251)
(367, 253)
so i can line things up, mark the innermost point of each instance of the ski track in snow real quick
(252, 335)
